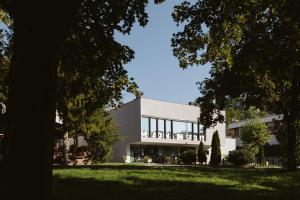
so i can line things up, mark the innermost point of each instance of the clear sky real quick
(154, 68)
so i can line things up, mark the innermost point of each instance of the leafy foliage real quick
(188, 157)
(101, 135)
(202, 153)
(261, 156)
(215, 157)
(253, 47)
(254, 135)
(241, 157)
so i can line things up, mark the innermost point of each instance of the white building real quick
(233, 129)
(158, 131)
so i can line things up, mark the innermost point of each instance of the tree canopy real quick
(42, 32)
(253, 47)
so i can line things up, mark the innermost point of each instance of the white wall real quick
(169, 110)
(128, 121)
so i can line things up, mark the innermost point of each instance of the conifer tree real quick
(202, 153)
(215, 157)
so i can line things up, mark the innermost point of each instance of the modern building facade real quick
(158, 131)
(233, 129)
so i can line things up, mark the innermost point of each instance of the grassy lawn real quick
(156, 182)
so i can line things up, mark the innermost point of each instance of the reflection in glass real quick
(153, 128)
(179, 130)
(196, 129)
(168, 129)
(145, 127)
(189, 130)
(161, 128)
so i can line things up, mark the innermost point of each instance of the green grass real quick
(161, 182)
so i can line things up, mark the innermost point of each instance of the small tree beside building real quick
(215, 158)
(254, 136)
(202, 153)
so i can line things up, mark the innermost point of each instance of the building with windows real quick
(233, 129)
(158, 131)
(273, 152)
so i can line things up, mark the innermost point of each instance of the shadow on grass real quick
(133, 186)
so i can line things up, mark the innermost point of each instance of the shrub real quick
(202, 153)
(188, 157)
(261, 156)
(241, 157)
(215, 158)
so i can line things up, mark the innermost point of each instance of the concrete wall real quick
(169, 110)
(127, 119)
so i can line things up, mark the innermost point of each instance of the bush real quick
(241, 157)
(188, 157)
(202, 153)
(215, 158)
(261, 156)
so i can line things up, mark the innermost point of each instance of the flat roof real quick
(266, 119)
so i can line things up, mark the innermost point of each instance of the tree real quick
(261, 156)
(101, 134)
(241, 157)
(215, 157)
(254, 135)
(38, 36)
(202, 153)
(253, 47)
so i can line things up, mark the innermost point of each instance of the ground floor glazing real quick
(157, 154)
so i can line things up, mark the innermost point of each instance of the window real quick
(196, 129)
(161, 128)
(179, 130)
(189, 130)
(145, 127)
(153, 128)
(168, 129)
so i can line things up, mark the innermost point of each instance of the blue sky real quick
(154, 68)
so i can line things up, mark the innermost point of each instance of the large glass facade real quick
(153, 128)
(196, 131)
(170, 129)
(179, 130)
(145, 127)
(156, 154)
(161, 128)
(189, 131)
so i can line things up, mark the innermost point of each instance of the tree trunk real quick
(40, 28)
(66, 146)
(291, 144)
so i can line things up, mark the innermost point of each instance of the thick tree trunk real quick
(291, 144)
(66, 146)
(39, 30)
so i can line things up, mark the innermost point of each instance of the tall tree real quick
(254, 135)
(38, 36)
(215, 156)
(202, 153)
(253, 47)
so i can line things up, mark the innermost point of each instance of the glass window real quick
(201, 129)
(195, 131)
(189, 131)
(153, 128)
(179, 130)
(168, 129)
(161, 128)
(145, 127)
